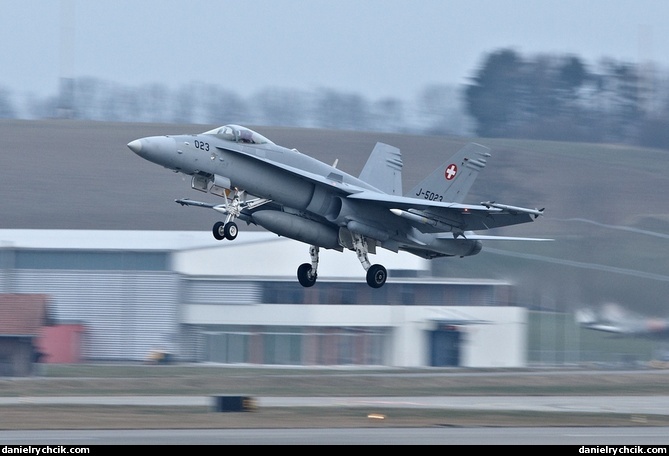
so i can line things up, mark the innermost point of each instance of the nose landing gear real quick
(223, 230)
(232, 208)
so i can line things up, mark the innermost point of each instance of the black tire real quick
(376, 276)
(230, 230)
(219, 230)
(304, 275)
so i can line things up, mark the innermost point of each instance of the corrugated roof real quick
(119, 239)
(252, 253)
(23, 314)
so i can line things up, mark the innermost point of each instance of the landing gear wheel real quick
(219, 230)
(376, 276)
(304, 275)
(230, 230)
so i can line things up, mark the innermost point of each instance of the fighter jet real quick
(612, 318)
(296, 196)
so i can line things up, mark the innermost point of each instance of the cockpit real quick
(238, 134)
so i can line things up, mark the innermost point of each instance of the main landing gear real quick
(376, 274)
(307, 273)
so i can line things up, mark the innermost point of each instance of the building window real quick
(226, 347)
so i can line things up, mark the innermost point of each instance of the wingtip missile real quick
(422, 219)
(525, 210)
(190, 202)
(413, 217)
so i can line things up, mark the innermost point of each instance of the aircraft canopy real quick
(239, 134)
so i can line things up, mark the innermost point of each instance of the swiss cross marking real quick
(451, 171)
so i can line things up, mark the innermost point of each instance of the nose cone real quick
(135, 146)
(157, 149)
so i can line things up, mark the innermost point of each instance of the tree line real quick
(551, 97)
(435, 109)
(561, 98)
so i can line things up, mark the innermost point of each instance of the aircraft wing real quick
(425, 215)
(333, 180)
(436, 216)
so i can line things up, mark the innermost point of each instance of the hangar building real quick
(133, 292)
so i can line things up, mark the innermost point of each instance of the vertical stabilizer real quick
(453, 179)
(383, 169)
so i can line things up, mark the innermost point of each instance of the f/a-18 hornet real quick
(299, 197)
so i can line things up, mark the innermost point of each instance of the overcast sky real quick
(376, 48)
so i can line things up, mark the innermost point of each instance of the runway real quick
(598, 436)
(641, 405)
(369, 435)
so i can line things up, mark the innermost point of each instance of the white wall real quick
(502, 343)
(495, 338)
